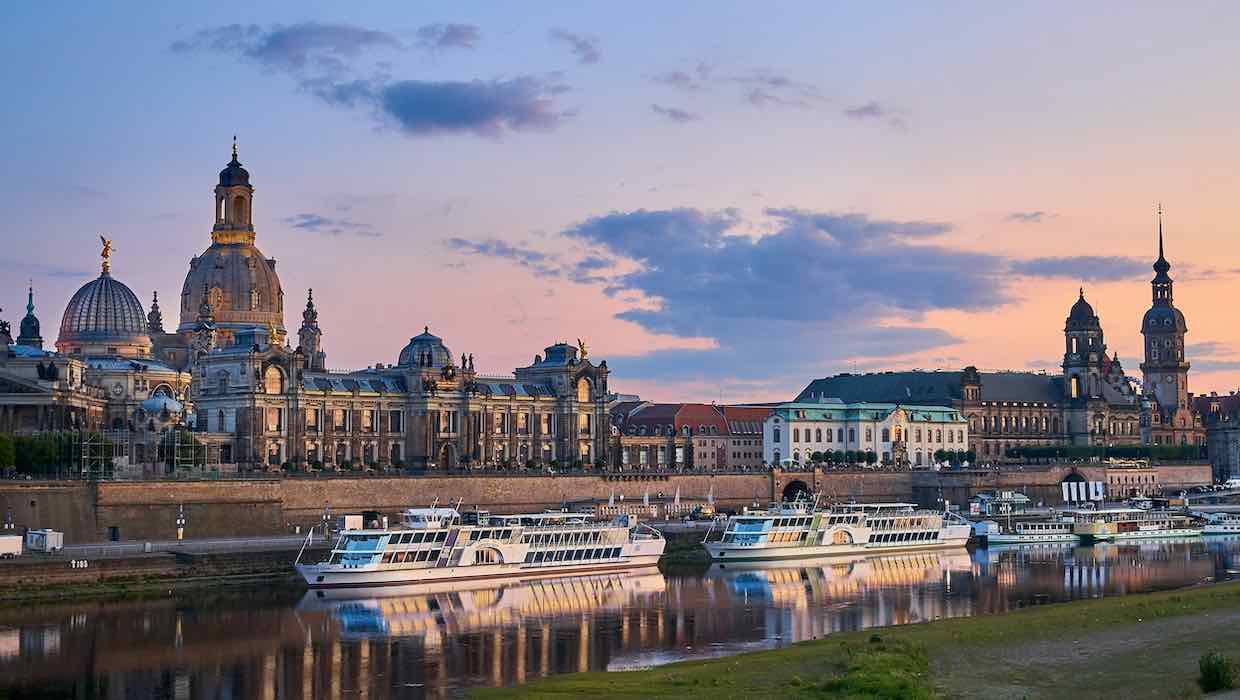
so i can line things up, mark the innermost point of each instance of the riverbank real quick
(1133, 646)
(56, 578)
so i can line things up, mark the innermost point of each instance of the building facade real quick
(1091, 402)
(899, 435)
(662, 436)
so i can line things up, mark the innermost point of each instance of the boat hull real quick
(723, 553)
(332, 576)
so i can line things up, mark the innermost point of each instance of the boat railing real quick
(305, 543)
(644, 532)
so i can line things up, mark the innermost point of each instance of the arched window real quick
(1075, 383)
(273, 380)
(886, 435)
(240, 215)
(776, 434)
(1074, 347)
(818, 435)
(583, 389)
(796, 434)
(219, 421)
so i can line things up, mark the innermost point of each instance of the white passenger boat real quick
(1104, 524)
(799, 530)
(1059, 529)
(1221, 524)
(433, 545)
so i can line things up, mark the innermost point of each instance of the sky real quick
(722, 200)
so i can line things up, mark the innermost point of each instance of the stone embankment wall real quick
(36, 570)
(147, 510)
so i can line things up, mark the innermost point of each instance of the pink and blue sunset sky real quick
(723, 200)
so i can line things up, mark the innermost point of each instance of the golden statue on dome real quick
(106, 254)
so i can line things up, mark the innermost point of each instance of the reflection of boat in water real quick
(436, 544)
(838, 577)
(441, 609)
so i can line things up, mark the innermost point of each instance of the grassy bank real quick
(1138, 646)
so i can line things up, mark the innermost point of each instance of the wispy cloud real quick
(585, 48)
(317, 46)
(448, 36)
(766, 89)
(686, 80)
(321, 58)
(1028, 217)
(873, 111)
(316, 223)
(1094, 268)
(674, 114)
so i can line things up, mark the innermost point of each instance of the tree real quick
(850, 457)
(8, 452)
(837, 456)
(871, 457)
(818, 457)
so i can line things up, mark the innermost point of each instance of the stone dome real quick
(233, 174)
(239, 283)
(422, 346)
(1164, 318)
(1082, 314)
(160, 402)
(104, 317)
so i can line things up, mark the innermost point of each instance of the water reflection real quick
(424, 642)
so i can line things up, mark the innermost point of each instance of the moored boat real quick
(437, 545)
(1103, 524)
(1058, 529)
(1221, 524)
(800, 530)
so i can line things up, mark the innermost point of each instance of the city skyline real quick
(780, 209)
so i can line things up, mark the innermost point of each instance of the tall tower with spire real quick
(29, 335)
(1165, 368)
(310, 336)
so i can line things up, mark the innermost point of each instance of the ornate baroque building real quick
(1092, 402)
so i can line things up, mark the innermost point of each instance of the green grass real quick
(1137, 646)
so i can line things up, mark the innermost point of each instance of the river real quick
(389, 643)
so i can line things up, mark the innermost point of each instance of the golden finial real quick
(106, 254)
(234, 147)
(584, 351)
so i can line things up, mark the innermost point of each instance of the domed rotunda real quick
(233, 276)
(104, 317)
(425, 350)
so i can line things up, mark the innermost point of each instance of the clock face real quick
(1168, 379)
(118, 389)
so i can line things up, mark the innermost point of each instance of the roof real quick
(925, 388)
(864, 411)
(348, 383)
(27, 351)
(126, 364)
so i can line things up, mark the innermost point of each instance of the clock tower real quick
(1165, 369)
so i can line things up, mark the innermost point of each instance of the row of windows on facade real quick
(343, 452)
(685, 430)
(340, 420)
(931, 435)
(885, 457)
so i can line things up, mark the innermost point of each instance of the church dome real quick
(233, 276)
(104, 317)
(238, 282)
(1082, 315)
(1164, 318)
(425, 350)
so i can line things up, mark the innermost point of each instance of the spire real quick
(310, 317)
(1161, 266)
(234, 154)
(155, 319)
(29, 335)
(1082, 292)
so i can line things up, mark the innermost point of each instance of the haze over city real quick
(722, 201)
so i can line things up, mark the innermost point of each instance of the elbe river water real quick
(409, 643)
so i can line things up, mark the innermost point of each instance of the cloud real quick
(35, 269)
(1207, 348)
(674, 114)
(585, 48)
(448, 36)
(291, 48)
(765, 89)
(541, 264)
(1027, 217)
(1211, 356)
(1093, 268)
(685, 80)
(1216, 365)
(321, 57)
(316, 223)
(876, 112)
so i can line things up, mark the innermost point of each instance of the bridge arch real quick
(797, 489)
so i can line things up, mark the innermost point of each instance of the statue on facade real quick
(106, 253)
(583, 351)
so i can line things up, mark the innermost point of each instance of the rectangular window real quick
(312, 420)
(368, 420)
(501, 423)
(523, 424)
(340, 419)
(275, 419)
(545, 424)
(396, 421)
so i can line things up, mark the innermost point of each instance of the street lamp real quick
(327, 517)
(180, 522)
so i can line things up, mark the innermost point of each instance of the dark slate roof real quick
(932, 388)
